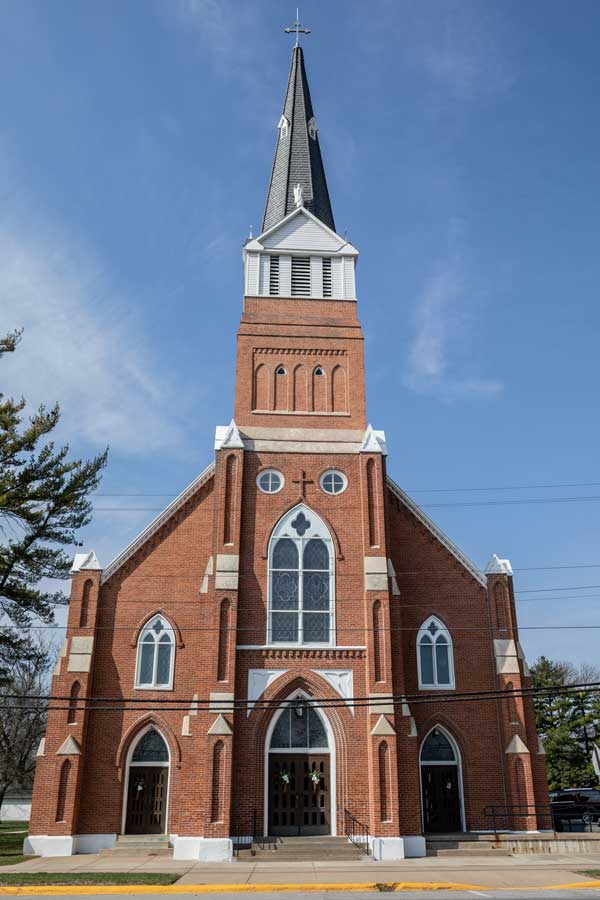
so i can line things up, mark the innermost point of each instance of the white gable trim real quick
(158, 522)
(437, 532)
(345, 246)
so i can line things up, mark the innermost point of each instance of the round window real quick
(269, 481)
(333, 482)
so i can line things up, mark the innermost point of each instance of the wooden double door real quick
(441, 799)
(147, 800)
(299, 794)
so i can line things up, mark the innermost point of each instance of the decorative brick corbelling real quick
(307, 653)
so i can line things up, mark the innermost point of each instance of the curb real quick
(49, 890)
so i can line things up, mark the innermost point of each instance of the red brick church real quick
(292, 625)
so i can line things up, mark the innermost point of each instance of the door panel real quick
(441, 799)
(299, 794)
(147, 800)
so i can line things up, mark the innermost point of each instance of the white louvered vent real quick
(274, 277)
(327, 277)
(300, 276)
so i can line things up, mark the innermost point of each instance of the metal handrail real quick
(504, 817)
(357, 832)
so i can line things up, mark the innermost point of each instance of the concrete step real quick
(136, 838)
(471, 852)
(323, 848)
(461, 845)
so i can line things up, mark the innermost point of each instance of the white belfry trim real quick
(158, 522)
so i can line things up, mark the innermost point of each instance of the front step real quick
(140, 845)
(474, 845)
(320, 848)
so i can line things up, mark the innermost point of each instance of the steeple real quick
(297, 155)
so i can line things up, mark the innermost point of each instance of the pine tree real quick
(44, 500)
(566, 722)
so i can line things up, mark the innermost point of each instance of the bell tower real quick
(299, 346)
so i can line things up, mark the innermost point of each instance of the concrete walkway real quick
(504, 872)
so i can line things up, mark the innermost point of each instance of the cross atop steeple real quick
(297, 29)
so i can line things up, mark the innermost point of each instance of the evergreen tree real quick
(44, 499)
(566, 723)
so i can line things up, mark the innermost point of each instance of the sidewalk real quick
(504, 872)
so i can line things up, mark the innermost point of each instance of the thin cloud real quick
(79, 349)
(445, 325)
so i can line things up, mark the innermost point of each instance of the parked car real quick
(574, 808)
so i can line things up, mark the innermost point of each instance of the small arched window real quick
(280, 370)
(63, 787)
(301, 580)
(434, 655)
(155, 655)
(73, 698)
(85, 603)
(318, 370)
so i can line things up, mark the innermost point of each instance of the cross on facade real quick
(297, 29)
(302, 481)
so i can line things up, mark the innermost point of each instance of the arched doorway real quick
(441, 783)
(299, 771)
(147, 784)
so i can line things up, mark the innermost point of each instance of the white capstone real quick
(382, 727)
(342, 681)
(516, 745)
(87, 562)
(220, 726)
(258, 682)
(69, 747)
(497, 566)
(228, 437)
(373, 441)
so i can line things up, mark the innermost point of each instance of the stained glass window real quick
(155, 655)
(437, 748)
(299, 727)
(434, 648)
(300, 582)
(151, 748)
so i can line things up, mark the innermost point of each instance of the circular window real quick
(333, 482)
(269, 481)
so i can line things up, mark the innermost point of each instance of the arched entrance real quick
(441, 783)
(147, 784)
(299, 771)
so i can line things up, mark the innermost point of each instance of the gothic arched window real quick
(301, 580)
(434, 655)
(155, 655)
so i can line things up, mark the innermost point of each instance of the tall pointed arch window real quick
(434, 656)
(155, 655)
(301, 580)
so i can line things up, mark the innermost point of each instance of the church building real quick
(283, 650)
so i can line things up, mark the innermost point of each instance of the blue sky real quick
(460, 142)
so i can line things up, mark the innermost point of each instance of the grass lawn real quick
(11, 846)
(593, 873)
(7, 825)
(27, 878)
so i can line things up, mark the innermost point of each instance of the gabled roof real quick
(338, 246)
(158, 522)
(297, 154)
(437, 532)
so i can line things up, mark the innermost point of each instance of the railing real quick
(357, 832)
(518, 816)
(243, 835)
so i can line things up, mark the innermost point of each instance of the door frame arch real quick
(331, 750)
(151, 726)
(457, 762)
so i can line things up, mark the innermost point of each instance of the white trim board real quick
(437, 532)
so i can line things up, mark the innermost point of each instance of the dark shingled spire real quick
(297, 156)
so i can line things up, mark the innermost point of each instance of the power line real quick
(457, 503)
(463, 490)
(203, 705)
